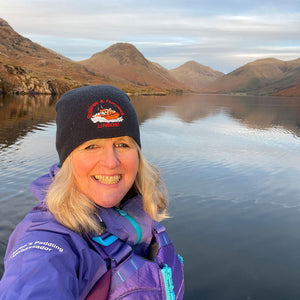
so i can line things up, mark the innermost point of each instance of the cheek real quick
(133, 165)
(81, 166)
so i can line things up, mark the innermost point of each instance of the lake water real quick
(232, 167)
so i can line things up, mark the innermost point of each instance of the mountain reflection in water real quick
(21, 114)
(254, 112)
(232, 167)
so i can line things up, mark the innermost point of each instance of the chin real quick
(108, 203)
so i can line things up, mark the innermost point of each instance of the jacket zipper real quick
(133, 222)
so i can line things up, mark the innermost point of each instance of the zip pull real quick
(121, 212)
(133, 222)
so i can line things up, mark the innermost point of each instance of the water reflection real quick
(22, 114)
(253, 112)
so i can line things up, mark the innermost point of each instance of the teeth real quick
(108, 179)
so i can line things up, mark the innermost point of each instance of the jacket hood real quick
(40, 186)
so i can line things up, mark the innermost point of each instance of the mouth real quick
(105, 179)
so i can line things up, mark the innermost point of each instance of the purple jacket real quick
(45, 259)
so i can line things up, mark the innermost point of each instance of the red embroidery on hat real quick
(116, 124)
(90, 110)
(105, 112)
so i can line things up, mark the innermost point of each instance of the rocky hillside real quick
(195, 76)
(26, 67)
(263, 77)
(122, 61)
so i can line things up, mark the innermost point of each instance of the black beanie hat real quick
(93, 112)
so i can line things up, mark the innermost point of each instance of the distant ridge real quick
(289, 84)
(195, 76)
(263, 77)
(122, 61)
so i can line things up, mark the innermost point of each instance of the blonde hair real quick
(75, 211)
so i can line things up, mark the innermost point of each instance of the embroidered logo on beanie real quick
(105, 112)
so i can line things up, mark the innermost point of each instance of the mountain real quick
(26, 67)
(289, 85)
(123, 61)
(16, 47)
(195, 76)
(263, 77)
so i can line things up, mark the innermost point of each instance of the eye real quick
(121, 145)
(90, 147)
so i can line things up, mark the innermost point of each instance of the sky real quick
(221, 34)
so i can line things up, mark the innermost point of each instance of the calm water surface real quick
(232, 167)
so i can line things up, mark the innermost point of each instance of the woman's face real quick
(105, 169)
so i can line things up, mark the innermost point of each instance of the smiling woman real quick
(95, 233)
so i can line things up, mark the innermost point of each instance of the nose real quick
(110, 158)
